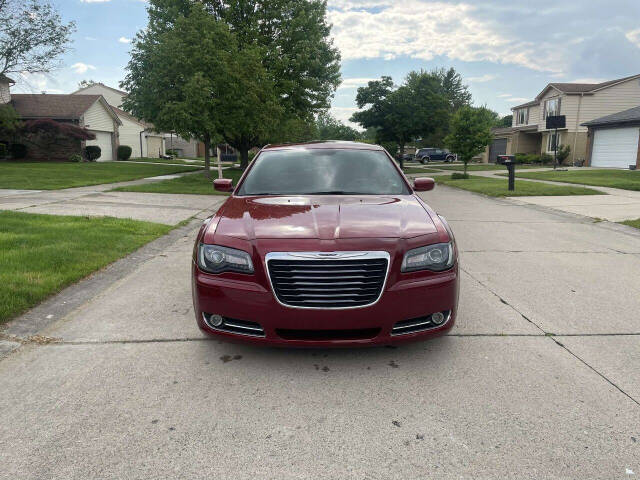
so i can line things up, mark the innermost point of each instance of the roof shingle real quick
(64, 107)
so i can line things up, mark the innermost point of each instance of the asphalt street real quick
(539, 379)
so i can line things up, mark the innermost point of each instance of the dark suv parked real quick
(425, 155)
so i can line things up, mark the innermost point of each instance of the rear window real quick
(302, 171)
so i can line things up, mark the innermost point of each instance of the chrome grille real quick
(328, 279)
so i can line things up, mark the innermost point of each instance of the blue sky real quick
(506, 51)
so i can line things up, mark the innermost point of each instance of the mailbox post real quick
(509, 161)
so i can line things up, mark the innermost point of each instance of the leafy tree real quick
(329, 128)
(8, 121)
(298, 52)
(193, 79)
(505, 121)
(32, 36)
(470, 132)
(401, 114)
(86, 83)
(46, 133)
(456, 92)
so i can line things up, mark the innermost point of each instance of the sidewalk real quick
(98, 200)
(614, 205)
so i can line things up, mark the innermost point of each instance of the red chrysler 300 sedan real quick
(325, 244)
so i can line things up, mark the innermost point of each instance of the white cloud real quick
(95, 1)
(482, 79)
(634, 37)
(505, 95)
(389, 29)
(518, 99)
(588, 80)
(343, 114)
(355, 82)
(82, 67)
(124, 40)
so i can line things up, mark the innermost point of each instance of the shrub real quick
(76, 157)
(124, 152)
(92, 153)
(18, 150)
(459, 176)
(3, 150)
(172, 152)
(546, 158)
(563, 153)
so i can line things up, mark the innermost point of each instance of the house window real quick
(552, 107)
(551, 141)
(522, 116)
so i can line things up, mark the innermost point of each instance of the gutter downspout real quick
(575, 134)
(141, 151)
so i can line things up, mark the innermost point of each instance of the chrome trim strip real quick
(218, 329)
(362, 255)
(395, 333)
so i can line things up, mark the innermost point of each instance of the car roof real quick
(335, 144)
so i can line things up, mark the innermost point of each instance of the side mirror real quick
(223, 184)
(423, 184)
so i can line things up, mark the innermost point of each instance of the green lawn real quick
(54, 176)
(495, 187)
(42, 254)
(191, 184)
(410, 171)
(632, 223)
(485, 167)
(625, 179)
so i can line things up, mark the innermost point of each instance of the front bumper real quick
(288, 326)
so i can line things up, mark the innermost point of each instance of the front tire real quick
(449, 160)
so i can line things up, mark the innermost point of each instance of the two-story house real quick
(579, 102)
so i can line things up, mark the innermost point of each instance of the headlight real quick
(436, 258)
(217, 259)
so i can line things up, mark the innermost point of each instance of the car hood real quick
(324, 217)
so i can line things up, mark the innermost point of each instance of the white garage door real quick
(615, 147)
(103, 140)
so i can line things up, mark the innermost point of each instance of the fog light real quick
(437, 318)
(216, 320)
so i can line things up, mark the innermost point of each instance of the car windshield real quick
(323, 171)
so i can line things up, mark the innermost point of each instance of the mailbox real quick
(509, 161)
(503, 159)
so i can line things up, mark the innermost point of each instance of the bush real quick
(546, 158)
(3, 150)
(459, 176)
(124, 152)
(18, 150)
(76, 157)
(92, 153)
(172, 152)
(563, 153)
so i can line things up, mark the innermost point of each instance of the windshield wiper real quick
(335, 192)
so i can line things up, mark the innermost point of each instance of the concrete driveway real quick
(98, 200)
(539, 379)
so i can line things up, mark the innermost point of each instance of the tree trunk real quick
(207, 155)
(401, 145)
(244, 157)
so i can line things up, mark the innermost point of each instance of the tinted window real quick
(323, 171)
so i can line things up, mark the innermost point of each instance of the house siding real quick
(97, 118)
(607, 102)
(112, 98)
(130, 135)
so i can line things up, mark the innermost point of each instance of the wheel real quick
(449, 159)
(425, 159)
